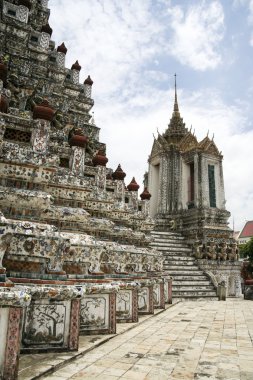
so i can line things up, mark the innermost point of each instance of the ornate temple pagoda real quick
(185, 179)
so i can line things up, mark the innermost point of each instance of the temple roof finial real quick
(176, 109)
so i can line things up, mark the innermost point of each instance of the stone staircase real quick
(189, 282)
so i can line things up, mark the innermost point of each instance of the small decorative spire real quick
(176, 109)
(118, 174)
(88, 81)
(133, 185)
(145, 195)
(76, 66)
(62, 49)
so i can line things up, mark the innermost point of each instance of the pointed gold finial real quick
(176, 109)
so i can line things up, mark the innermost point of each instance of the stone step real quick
(172, 239)
(179, 259)
(166, 233)
(166, 240)
(175, 255)
(189, 277)
(175, 273)
(192, 288)
(196, 293)
(188, 282)
(185, 267)
(194, 298)
(167, 250)
(170, 247)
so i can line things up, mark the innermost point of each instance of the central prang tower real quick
(185, 179)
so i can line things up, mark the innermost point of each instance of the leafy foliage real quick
(246, 250)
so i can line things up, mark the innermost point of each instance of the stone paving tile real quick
(198, 340)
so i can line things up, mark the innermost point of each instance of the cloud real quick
(197, 33)
(249, 5)
(111, 39)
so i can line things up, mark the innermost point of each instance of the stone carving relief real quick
(123, 304)
(94, 312)
(44, 324)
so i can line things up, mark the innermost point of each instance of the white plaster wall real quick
(185, 179)
(219, 188)
(4, 318)
(153, 187)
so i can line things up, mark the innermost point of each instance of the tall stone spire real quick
(176, 108)
(176, 128)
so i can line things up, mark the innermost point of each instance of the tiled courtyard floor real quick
(192, 340)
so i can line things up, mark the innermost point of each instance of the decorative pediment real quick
(156, 149)
(188, 142)
(209, 146)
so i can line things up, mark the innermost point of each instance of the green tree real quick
(246, 250)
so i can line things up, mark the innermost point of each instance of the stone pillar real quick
(158, 295)
(58, 307)
(127, 302)
(196, 180)
(5, 240)
(88, 87)
(204, 183)
(168, 290)
(112, 313)
(221, 189)
(145, 298)
(11, 304)
(163, 185)
(221, 291)
(75, 71)
(77, 160)
(101, 177)
(78, 143)
(61, 55)
(98, 309)
(46, 32)
(74, 325)
(146, 207)
(43, 114)
(120, 191)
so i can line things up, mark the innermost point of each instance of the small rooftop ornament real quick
(76, 66)
(118, 174)
(43, 111)
(100, 159)
(62, 49)
(133, 185)
(145, 195)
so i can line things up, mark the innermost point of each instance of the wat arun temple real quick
(80, 250)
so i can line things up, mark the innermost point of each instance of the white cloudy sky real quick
(132, 48)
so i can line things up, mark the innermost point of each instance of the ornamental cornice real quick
(14, 298)
(54, 293)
